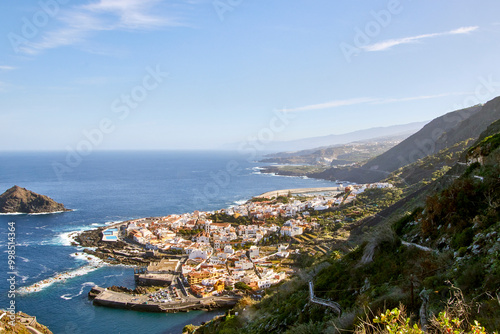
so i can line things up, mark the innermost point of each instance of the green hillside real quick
(428, 169)
(441, 133)
(435, 255)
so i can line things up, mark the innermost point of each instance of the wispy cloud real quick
(384, 45)
(333, 104)
(368, 100)
(416, 98)
(7, 68)
(78, 23)
(130, 14)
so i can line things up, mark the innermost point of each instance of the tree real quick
(242, 286)
(188, 329)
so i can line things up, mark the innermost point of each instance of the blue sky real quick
(199, 74)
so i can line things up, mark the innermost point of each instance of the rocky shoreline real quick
(115, 253)
(281, 172)
(20, 323)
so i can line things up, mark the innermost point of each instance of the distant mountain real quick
(341, 154)
(17, 199)
(441, 133)
(323, 141)
(429, 140)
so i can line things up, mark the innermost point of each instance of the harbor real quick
(142, 302)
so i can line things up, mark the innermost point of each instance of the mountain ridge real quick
(338, 139)
(340, 154)
(441, 133)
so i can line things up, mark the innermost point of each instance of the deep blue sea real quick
(106, 187)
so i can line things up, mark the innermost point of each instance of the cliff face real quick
(17, 199)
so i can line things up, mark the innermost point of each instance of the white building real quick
(198, 253)
(320, 207)
(243, 265)
(228, 249)
(263, 283)
(254, 252)
(291, 231)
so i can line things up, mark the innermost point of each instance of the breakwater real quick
(140, 302)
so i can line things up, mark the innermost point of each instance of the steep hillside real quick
(471, 126)
(436, 250)
(428, 169)
(441, 133)
(430, 139)
(491, 130)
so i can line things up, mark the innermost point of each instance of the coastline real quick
(51, 231)
(35, 213)
(115, 253)
(127, 252)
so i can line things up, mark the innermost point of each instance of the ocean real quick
(101, 188)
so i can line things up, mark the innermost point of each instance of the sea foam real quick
(83, 286)
(94, 263)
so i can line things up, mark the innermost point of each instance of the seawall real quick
(107, 298)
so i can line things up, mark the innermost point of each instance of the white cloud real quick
(132, 14)
(80, 22)
(463, 30)
(384, 45)
(368, 100)
(7, 68)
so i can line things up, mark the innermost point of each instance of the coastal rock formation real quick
(118, 252)
(138, 290)
(17, 199)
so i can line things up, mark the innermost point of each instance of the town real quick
(244, 247)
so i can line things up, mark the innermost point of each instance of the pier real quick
(107, 298)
